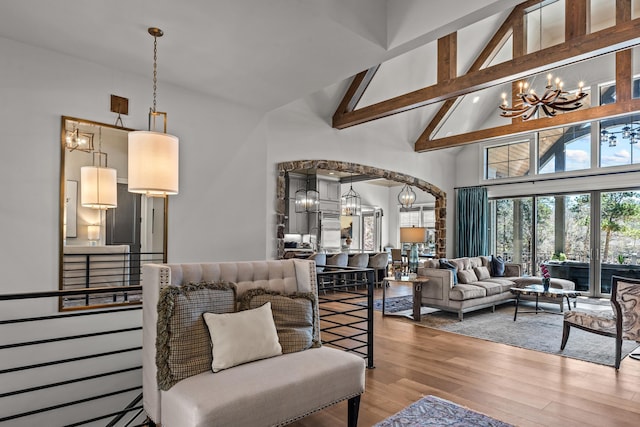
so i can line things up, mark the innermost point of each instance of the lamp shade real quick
(153, 163)
(413, 234)
(98, 187)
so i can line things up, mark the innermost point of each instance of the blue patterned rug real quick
(432, 411)
(392, 304)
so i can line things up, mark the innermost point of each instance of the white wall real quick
(228, 156)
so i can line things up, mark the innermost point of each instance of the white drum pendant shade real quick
(153, 163)
(98, 187)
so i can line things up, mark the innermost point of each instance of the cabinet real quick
(329, 191)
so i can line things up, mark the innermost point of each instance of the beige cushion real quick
(242, 337)
(293, 316)
(482, 273)
(467, 276)
(182, 344)
(465, 292)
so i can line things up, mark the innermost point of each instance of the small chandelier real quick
(552, 100)
(153, 156)
(98, 184)
(307, 200)
(350, 202)
(406, 197)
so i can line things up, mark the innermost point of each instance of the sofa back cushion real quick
(467, 276)
(482, 273)
(183, 347)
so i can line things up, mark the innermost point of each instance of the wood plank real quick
(623, 11)
(573, 117)
(448, 57)
(519, 386)
(624, 68)
(575, 18)
(580, 48)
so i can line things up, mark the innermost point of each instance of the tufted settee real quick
(477, 284)
(267, 392)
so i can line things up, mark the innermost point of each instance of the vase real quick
(545, 283)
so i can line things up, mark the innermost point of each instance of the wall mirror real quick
(328, 179)
(106, 233)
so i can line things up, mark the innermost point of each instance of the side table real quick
(416, 285)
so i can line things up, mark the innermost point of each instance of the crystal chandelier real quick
(550, 102)
(406, 197)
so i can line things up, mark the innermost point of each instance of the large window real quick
(508, 160)
(564, 149)
(582, 237)
(619, 139)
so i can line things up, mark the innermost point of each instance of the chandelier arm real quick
(550, 113)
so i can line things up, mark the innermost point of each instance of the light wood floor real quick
(518, 386)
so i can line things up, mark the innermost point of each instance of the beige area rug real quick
(539, 332)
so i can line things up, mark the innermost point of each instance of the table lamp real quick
(413, 235)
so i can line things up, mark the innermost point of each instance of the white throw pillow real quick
(242, 337)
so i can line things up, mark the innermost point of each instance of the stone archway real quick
(285, 167)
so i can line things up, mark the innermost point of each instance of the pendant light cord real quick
(155, 70)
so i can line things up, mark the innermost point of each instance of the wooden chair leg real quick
(566, 326)
(354, 408)
(618, 352)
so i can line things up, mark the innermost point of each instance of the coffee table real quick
(538, 291)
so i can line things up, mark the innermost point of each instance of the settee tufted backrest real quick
(285, 276)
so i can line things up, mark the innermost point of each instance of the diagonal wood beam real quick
(578, 116)
(485, 57)
(356, 89)
(608, 40)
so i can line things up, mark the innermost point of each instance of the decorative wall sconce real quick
(153, 156)
(552, 100)
(406, 197)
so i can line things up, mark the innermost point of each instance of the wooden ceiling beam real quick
(580, 48)
(355, 91)
(578, 116)
(575, 19)
(448, 57)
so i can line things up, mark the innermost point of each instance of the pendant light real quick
(406, 197)
(153, 156)
(98, 184)
(307, 201)
(350, 202)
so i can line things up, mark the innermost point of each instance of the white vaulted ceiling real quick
(260, 53)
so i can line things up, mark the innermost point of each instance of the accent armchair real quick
(622, 324)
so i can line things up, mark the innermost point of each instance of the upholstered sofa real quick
(180, 388)
(477, 285)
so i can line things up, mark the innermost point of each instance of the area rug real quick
(540, 332)
(393, 304)
(434, 411)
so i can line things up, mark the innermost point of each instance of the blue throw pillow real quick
(497, 266)
(445, 264)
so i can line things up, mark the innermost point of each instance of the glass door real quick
(619, 232)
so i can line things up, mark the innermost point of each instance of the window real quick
(619, 139)
(507, 160)
(564, 149)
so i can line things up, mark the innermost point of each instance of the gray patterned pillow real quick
(293, 315)
(183, 345)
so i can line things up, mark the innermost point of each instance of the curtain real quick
(473, 209)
